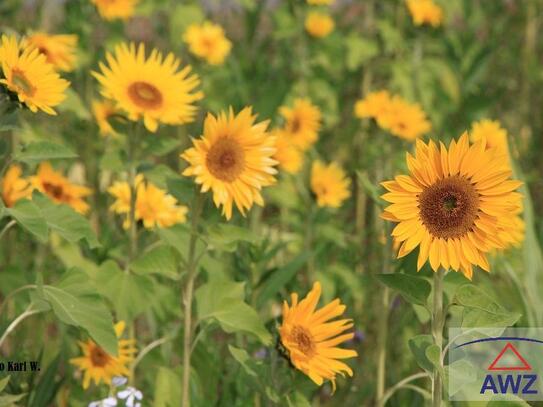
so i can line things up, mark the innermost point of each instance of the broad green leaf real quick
(243, 358)
(159, 260)
(167, 389)
(160, 145)
(474, 317)
(297, 399)
(414, 289)
(359, 51)
(464, 373)
(178, 236)
(433, 354)
(418, 345)
(223, 301)
(9, 400)
(226, 237)
(38, 151)
(160, 174)
(75, 301)
(29, 216)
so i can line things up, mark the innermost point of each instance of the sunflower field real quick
(266, 202)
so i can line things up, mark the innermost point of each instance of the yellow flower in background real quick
(302, 122)
(150, 88)
(59, 188)
(14, 187)
(493, 134)
(374, 105)
(320, 2)
(311, 338)
(207, 41)
(289, 157)
(115, 9)
(154, 206)
(329, 184)
(58, 49)
(233, 159)
(103, 110)
(99, 366)
(456, 205)
(319, 24)
(425, 12)
(28, 74)
(403, 119)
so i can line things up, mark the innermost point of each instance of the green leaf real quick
(243, 358)
(3, 383)
(414, 289)
(47, 387)
(167, 388)
(463, 372)
(38, 151)
(160, 145)
(178, 236)
(74, 104)
(222, 300)
(418, 345)
(359, 51)
(432, 353)
(159, 260)
(29, 216)
(75, 301)
(297, 399)
(181, 17)
(225, 237)
(8, 400)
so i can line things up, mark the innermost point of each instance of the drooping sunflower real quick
(319, 24)
(99, 366)
(59, 188)
(493, 133)
(151, 88)
(115, 9)
(311, 338)
(154, 207)
(374, 105)
(456, 205)
(403, 119)
(28, 74)
(289, 157)
(14, 187)
(425, 12)
(329, 184)
(208, 41)
(234, 159)
(59, 50)
(103, 110)
(303, 122)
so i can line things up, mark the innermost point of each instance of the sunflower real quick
(425, 12)
(303, 122)
(115, 9)
(289, 157)
(59, 188)
(319, 24)
(456, 205)
(493, 133)
(59, 50)
(320, 2)
(374, 105)
(99, 366)
(234, 158)
(103, 110)
(28, 74)
(329, 184)
(154, 207)
(14, 187)
(207, 41)
(403, 119)
(151, 88)
(311, 339)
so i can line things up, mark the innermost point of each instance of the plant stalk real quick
(437, 332)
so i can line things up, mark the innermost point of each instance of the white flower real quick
(119, 381)
(109, 402)
(131, 394)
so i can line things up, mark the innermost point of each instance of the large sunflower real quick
(28, 74)
(115, 9)
(234, 158)
(456, 205)
(151, 88)
(58, 49)
(311, 338)
(302, 122)
(14, 187)
(99, 366)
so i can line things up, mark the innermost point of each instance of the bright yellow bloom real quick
(234, 159)
(303, 122)
(14, 187)
(207, 41)
(319, 24)
(289, 157)
(403, 119)
(151, 88)
(456, 205)
(311, 338)
(57, 187)
(99, 366)
(58, 49)
(154, 207)
(425, 12)
(492, 133)
(329, 184)
(103, 110)
(28, 74)
(374, 105)
(115, 9)
(320, 2)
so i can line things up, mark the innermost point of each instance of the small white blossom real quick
(119, 381)
(132, 395)
(109, 402)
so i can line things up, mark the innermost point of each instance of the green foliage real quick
(160, 260)
(39, 151)
(414, 289)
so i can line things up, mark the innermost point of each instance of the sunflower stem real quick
(28, 312)
(382, 349)
(192, 263)
(8, 226)
(437, 332)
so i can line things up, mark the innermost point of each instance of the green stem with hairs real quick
(437, 332)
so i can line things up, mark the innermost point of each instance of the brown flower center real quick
(99, 357)
(22, 83)
(449, 207)
(296, 124)
(53, 190)
(145, 95)
(303, 339)
(226, 160)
